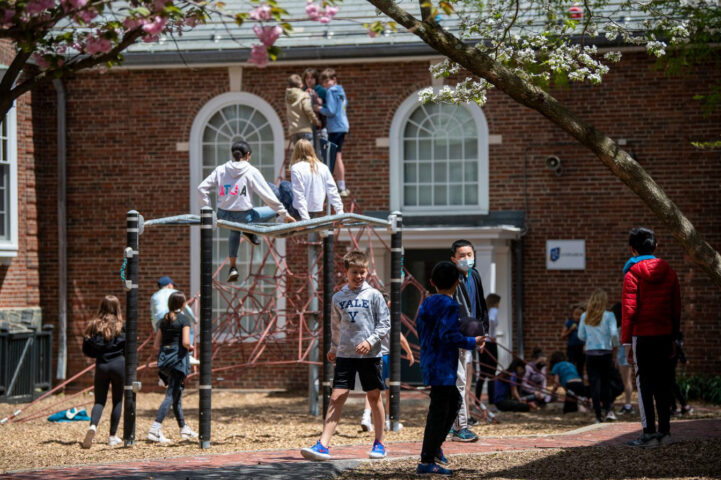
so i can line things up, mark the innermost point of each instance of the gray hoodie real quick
(358, 315)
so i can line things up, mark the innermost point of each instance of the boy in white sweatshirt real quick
(359, 321)
(234, 182)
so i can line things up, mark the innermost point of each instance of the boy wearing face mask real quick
(472, 300)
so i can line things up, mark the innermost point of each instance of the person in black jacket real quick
(473, 312)
(104, 340)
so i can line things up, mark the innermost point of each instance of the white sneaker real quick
(157, 436)
(89, 436)
(611, 417)
(194, 361)
(389, 426)
(187, 433)
(161, 383)
(366, 424)
(114, 440)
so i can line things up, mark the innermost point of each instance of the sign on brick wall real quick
(565, 254)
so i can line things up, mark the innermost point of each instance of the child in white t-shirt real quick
(311, 182)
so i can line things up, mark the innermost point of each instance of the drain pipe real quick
(519, 296)
(62, 233)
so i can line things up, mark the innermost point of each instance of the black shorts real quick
(337, 138)
(370, 371)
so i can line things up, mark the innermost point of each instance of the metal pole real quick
(313, 323)
(131, 327)
(206, 323)
(396, 220)
(328, 281)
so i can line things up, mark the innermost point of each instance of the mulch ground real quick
(684, 460)
(241, 422)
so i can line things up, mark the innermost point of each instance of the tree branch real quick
(615, 158)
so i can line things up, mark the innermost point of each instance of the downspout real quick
(519, 296)
(62, 232)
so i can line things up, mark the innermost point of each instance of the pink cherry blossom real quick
(372, 33)
(312, 10)
(259, 56)
(97, 44)
(324, 19)
(87, 15)
(267, 35)
(151, 38)
(156, 26)
(73, 4)
(331, 10)
(159, 4)
(37, 6)
(40, 61)
(261, 13)
(132, 23)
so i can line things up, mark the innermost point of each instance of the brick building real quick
(142, 136)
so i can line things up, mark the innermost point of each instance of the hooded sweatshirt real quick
(234, 182)
(103, 351)
(335, 110)
(310, 189)
(651, 300)
(358, 315)
(299, 111)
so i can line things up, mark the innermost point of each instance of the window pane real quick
(471, 171)
(418, 116)
(410, 195)
(4, 199)
(411, 130)
(471, 145)
(440, 172)
(456, 171)
(440, 150)
(425, 172)
(456, 195)
(424, 149)
(424, 196)
(455, 149)
(440, 195)
(471, 191)
(409, 173)
(410, 150)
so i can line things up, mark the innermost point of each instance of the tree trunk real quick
(616, 159)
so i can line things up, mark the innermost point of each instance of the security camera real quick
(553, 163)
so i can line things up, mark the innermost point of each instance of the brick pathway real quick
(272, 464)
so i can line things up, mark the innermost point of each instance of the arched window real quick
(226, 119)
(439, 158)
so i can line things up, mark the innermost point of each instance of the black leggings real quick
(599, 379)
(511, 405)
(107, 373)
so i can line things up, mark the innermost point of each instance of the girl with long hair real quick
(311, 182)
(104, 340)
(173, 342)
(598, 329)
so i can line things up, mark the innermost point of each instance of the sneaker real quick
(647, 440)
(664, 439)
(626, 410)
(114, 440)
(389, 426)
(598, 420)
(610, 416)
(232, 274)
(316, 452)
(194, 361)
(440, 458)
(463, 435)
(472, 421)
(378, 450)
(157, 436)
(252, 238)
(432, 469)
(366, 424)
(161, 383)
(687, 410)
(344, 193)
(89, 436)
(187, 433)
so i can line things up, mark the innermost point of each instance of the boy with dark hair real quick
(651, 321)
(437, 323)
(359, 321)
(334, 110)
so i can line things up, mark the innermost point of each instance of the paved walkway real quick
(288, 464)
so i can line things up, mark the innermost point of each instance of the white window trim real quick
(9, 248)
(196, 169)
(396, 162)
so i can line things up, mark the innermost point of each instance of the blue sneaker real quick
(316, 452)
(432, 469)
(378, 450)
(440, 458)
(463, 435)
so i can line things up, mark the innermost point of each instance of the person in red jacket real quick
(651, 321)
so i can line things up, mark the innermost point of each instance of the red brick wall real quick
(123, 128)
(19, 279)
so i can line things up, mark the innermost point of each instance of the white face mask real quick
(466, 264)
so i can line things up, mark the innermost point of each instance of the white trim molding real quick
(398, 124)
(9, 247)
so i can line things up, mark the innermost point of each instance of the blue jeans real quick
(284, 194)
(174, 398)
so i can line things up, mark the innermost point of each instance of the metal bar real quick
(328, 281)
(131, 328)
(396, 220)
(206, 323)
(313, 324)
(19, 365)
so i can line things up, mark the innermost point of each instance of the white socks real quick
(94, 428)
(341, 185)
(155, 426)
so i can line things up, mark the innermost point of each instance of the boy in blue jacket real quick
(334, 110)
(440, 338)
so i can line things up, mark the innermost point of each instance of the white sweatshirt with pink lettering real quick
(234, 182)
